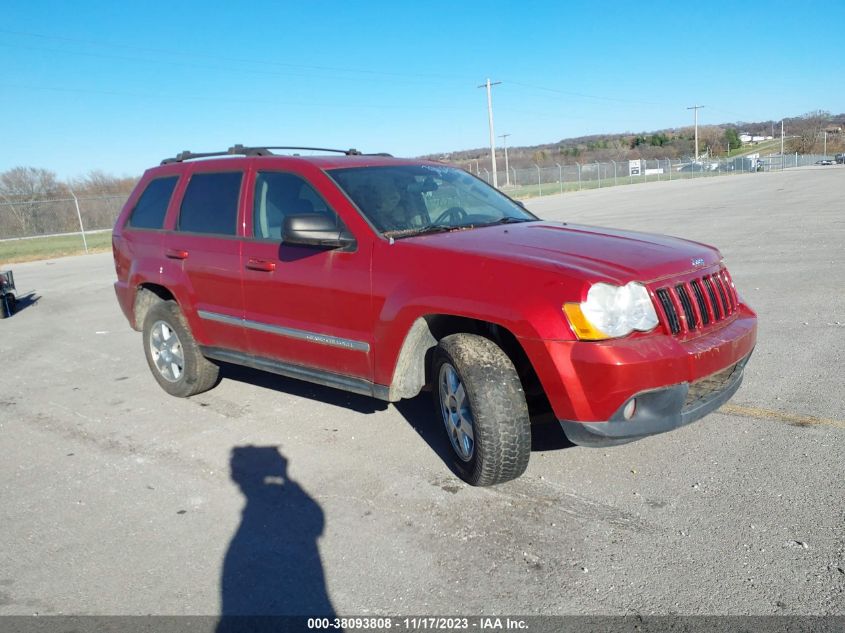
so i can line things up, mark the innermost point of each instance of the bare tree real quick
(30, 183)
(99, 183)
(713, 138)
(27, 184)
(807, 130)
(101, 197)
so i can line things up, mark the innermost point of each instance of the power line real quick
(210, 99)
(238, 60)
(584, 95)
(175, 58)
(158, 63)
(613, 99)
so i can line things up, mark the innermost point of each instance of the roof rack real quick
(265, 151)
(189, 155)
(241, 150)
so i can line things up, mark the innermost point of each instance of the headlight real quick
(612, 311)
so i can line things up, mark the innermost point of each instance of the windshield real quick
(405, 200)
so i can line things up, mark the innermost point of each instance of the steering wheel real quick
(452, 215)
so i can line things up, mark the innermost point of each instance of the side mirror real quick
(315, 229)
(520, 203)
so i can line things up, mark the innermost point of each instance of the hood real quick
(598, 253)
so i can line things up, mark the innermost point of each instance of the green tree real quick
(658, 140)
(732, 138)
(638, 140)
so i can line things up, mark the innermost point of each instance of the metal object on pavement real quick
(7, 293)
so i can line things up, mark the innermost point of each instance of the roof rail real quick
(241, 150)
(265, 151)
(189, 155)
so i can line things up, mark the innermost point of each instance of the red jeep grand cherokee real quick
(383, 276)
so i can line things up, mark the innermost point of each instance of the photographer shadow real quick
(272, 566)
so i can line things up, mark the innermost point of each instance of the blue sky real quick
(117, 86)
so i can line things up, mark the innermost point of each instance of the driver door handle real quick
(262, 265)
(176, 253)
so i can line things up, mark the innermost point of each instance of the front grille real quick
(717, 307)
(700, 389)
(669, 310)
(686, 304)
(699, 299)
(697, 303)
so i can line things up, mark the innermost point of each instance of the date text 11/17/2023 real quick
(417, 623)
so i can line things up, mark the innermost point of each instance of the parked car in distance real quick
(697, 167)
(840, 159)
(742, 163)
(825, 161)
(388, 277)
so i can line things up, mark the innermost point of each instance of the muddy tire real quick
(479, 397)
(174, 357)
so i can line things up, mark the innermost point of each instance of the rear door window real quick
(151, 208)
(210, 204)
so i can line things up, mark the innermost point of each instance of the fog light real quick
(630, 409)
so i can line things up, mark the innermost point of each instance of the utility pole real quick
(781, 141)
(487, 85)
(504, 138)
(696, 108)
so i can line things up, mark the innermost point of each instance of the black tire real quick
(500, 424)
(195, 372)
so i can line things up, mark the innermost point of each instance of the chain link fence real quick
(560, 178)
(77, 217)
(30, 219)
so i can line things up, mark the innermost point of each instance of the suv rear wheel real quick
(480, 399)
(172, 354)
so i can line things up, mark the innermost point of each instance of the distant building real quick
(746, 138)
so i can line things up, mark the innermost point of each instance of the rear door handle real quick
(261, 264)
(176, 253)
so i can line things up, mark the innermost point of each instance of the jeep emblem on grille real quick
(698, 261)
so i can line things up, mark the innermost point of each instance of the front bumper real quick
(660, 410)
(590, 381)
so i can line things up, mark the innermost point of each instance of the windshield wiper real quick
(448, 228)
(507, 220)
(422, 230)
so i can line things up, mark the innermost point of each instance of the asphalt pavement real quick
(276, 495)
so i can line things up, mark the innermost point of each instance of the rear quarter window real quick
(151, 207)
(210, 204)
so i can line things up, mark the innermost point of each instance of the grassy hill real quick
(675, 143)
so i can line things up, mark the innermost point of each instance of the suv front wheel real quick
(172, 354)
(480, 399)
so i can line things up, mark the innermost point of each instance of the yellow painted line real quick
(791, 418)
